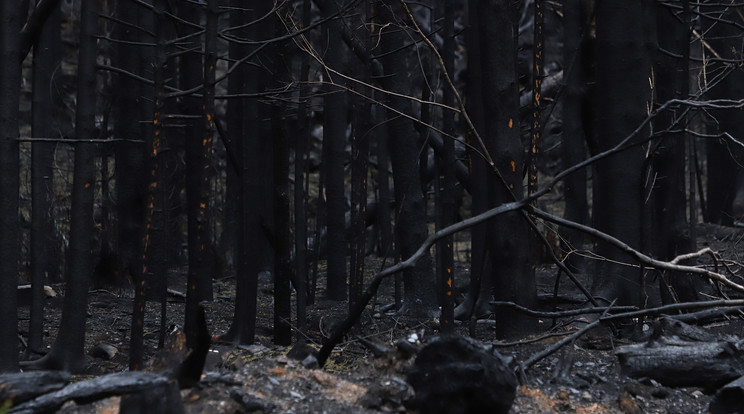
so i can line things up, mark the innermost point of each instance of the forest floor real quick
(263, 377)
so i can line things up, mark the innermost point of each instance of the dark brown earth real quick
(263, 378)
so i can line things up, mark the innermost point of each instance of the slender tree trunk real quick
(68, 351)
(300, 194)
(151, 237)
(669, 231)
(282, 265)
(446, 186)
(198, 169)
(43, 266)
(334, 143)
(410, 221)
(252, 149)
(10, 82)
(360, 129)
(575, 44)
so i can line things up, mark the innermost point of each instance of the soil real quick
(264, 377)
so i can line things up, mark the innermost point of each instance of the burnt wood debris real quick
(465, 195)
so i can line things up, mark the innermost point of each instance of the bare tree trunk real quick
(43, 265)
(446, 182)
(623, 70)
(508, 238)
(576, 42)
(410, 221)
(282, 265)
(10, 82)
(68, 351)
(668, 233)
(334, 143)
(198, 169)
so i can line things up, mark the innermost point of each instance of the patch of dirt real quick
(582, 377)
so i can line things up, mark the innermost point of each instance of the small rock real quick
(103, 351)
(310, 362)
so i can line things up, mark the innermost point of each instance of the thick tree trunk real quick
(508, 238)
(623, 91)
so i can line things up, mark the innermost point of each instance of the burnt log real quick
(678, 363)
(84, 392)
(23, 386)
(454, 374)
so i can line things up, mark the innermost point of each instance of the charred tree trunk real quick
(334, 143)
(410, 220)
(250, 150)
(130, 170)
(577, 61)
(148, 260)
(43, 265)
(282, 265)
(508, 239)
(669, 233)
(623, 70)
(300, 193)
(198, 166)
(446, 181)
(10, 81)
(724, 157)
(68, 351)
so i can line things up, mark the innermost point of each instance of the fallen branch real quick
(645, 259)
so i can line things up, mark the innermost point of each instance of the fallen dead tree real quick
(23, 386)
(678, 363)
(133, 382)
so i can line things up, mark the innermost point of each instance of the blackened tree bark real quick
(508, 239)
(149, 258)
(623, 91)
(446, 181)
(410, 221)
(43, 265)
(68, 351)
(476, 300)
(130, 172)
(576, 42)
(282, 265)
(723, 35)
(669, 231)
(10, 81)
(360, 126)
(252, 150)
(198, 167)
(334, 143)
(300, 194)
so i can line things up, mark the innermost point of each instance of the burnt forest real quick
(337, 206)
